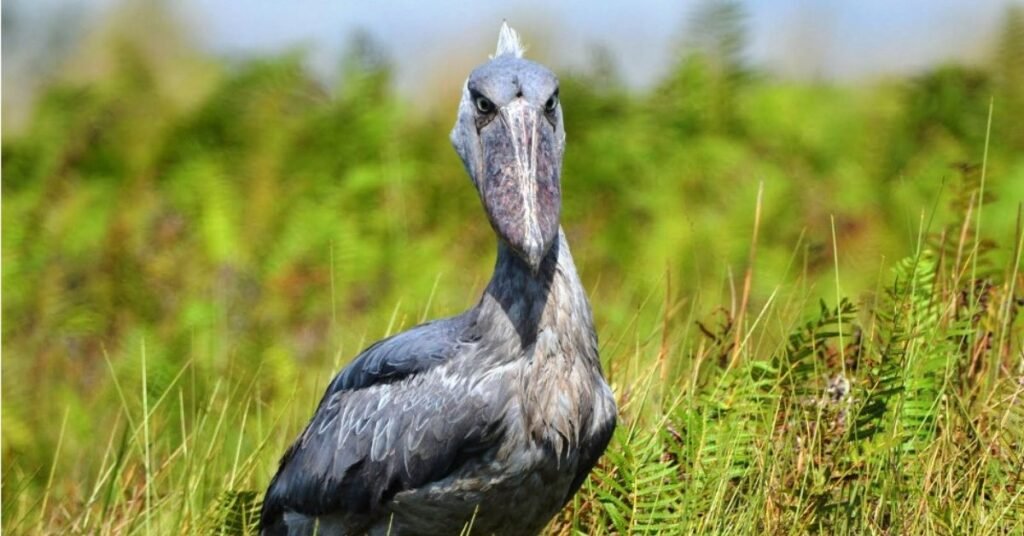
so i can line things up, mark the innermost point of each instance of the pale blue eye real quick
(552, 103)
(483, 105)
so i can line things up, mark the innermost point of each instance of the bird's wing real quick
(389, 422)
(418, 349)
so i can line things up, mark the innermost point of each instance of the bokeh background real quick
(208, 207)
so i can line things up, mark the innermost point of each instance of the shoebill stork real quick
(494, 416)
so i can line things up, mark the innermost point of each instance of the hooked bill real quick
(521, 187)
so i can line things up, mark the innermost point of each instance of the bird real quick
(491, 419)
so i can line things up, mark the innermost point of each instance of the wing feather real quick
(392, 420)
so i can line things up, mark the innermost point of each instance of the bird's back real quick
(379, 430)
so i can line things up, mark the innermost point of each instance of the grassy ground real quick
(901, 414)
(808, 296)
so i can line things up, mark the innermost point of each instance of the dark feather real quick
(590, 452)
(380, 429)
(418, 349)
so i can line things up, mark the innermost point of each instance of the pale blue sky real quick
(827, 38)
(831, 39)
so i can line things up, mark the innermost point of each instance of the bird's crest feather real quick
(508, 42)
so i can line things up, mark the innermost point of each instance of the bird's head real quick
(509, 135)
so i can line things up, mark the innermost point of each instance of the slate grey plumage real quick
(496, 415)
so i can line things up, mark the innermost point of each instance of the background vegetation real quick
(192, 248)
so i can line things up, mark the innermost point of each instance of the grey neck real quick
(553, 299)
(521, 294)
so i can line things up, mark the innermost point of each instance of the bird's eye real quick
(552, 103)
(483, 105)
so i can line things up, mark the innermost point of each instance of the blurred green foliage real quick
(254, 238)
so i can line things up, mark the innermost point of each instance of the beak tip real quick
(534, 257)
(534, 266)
